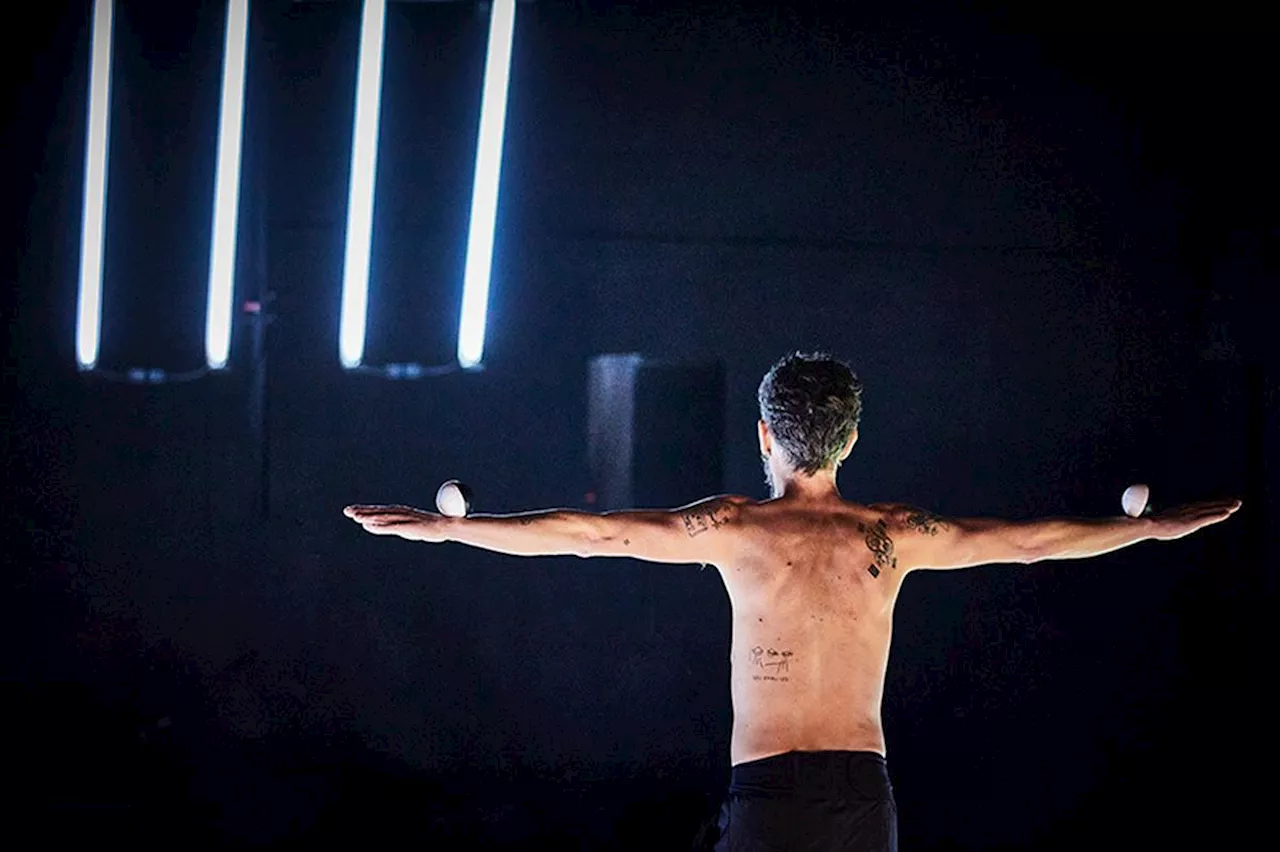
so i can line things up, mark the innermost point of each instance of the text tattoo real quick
(709, 516)
(773, 663)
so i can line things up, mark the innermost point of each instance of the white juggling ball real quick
(453, 499)
(1134, 500)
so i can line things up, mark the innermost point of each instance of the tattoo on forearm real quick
(710, 516)
(925, 522)
(770, 663)
(881, 546)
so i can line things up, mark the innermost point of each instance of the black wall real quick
(1045, 242)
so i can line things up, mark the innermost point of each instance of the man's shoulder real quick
(726, 507)
(905, 524)
(726, 503)
(712, 513)
(904, 514)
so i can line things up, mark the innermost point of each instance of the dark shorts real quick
(806, 801)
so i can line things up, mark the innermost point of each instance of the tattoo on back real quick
(925, 522)
(708, 516)
(880, 544)
(772, 664)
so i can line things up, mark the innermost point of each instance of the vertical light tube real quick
(226, 199)
(89, 301)
(364, 169)
(484, 193)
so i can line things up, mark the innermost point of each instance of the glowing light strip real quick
(484, 193)
(226, 202)
(364, 167)
(89, 302)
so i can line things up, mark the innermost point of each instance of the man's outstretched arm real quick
(688, 534)
(927, 541)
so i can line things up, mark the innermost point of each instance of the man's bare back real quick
(812, 585)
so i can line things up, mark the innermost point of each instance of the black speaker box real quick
(655, 431)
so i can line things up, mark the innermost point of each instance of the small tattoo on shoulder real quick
(925, 522)
(704, 517)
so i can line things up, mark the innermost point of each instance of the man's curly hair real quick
(811, 403)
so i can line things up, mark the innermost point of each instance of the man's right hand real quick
(404, 521)
(1184, 520)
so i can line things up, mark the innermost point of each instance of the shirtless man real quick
(812, 579)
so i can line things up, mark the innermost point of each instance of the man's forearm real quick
(554, 532)
(1078, 538)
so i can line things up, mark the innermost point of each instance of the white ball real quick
(453, 499)
(1134, 500)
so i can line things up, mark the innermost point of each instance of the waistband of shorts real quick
(811, 769)
(813, 758)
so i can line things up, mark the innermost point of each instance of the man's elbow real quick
(587, 546)
(1006, 553)
(1029, 554)
(582, 545)
(1004, 543)
(1036, 544)
(593, 537)
(992, 544)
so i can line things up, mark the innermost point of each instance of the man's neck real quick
(794, 484)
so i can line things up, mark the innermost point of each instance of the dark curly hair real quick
(811, 403)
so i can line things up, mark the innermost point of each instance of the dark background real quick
(1045, 239)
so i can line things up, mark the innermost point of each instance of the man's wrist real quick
(1148, 526)
(448, 527)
